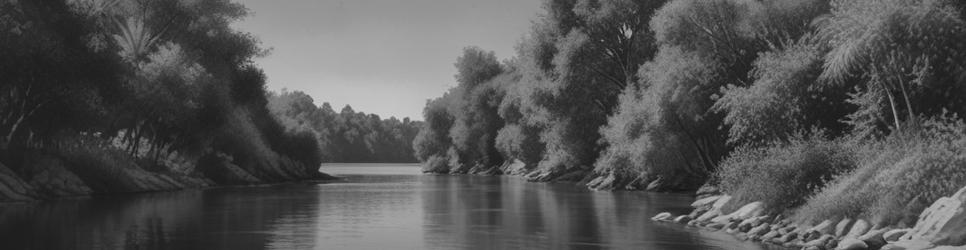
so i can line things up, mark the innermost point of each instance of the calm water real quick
(380, 206)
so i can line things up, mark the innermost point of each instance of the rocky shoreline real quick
(942, 226)
(588, 178)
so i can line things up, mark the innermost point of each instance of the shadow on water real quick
(374, 207)
(227, 218)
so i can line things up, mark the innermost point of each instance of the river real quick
(375, 206)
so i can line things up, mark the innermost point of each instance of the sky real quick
(385, 57)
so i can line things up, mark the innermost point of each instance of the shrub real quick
(898, 176)
(783, 175)
(99, 164)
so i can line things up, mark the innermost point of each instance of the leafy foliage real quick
(347, 136)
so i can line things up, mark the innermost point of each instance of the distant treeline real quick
(769, 100)
(346, 136)
(118, 95)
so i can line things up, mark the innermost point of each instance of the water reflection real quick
(507, 213)
(377, 207)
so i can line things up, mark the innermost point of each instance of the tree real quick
(575, 63)
(908, 51)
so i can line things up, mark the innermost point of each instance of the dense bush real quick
(783, 175)
(897, 177)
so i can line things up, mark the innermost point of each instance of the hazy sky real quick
(381, 56)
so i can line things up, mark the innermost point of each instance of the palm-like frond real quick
(135, 39)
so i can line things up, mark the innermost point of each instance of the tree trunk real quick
(892, 104)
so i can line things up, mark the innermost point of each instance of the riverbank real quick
(374, 206)
(582, 177)
(48, 175)
(941, 226)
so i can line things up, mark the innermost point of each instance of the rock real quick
(851, 244)
(874, 238)
(812, 248)
(894, 234)
(943, 223)
(908, 245)
(744, 227)
(788, 229)
(707, 190)
(770, 235)
(819, 242)
(665, 216)
(755, 221)
(514, 167)
(759, 230)
(859, 228)
(742, 236)
(715, 226)
(787, 238)
(949, 248)
(794, 244)
(707, 201)
(682, 219)
(697, 212)
(831, 244)
(709, 215)
(749, 210)
(817, 231)
(731, 227)
(843, 227)
(715, 210)
(657, 185)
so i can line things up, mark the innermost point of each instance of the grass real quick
(783, 175)
(897, 177)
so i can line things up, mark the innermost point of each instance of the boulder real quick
(657, 185)
(819, 242)
(949, 248)
(707, 190)
(707, 201)
(731, 227)
(759, 230)
(715, 210)
(874, 239)
(788, 229)
(843, 227)
(943, 223)
(851, 244)
(817, 231)
(786, 238)
(770, 235)
(665, 216)
(749, 210)
(709, 215)
(697, 212)
(831, 244)
(682, 219)
(859, 228)
(894, 234)
(908, 245)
